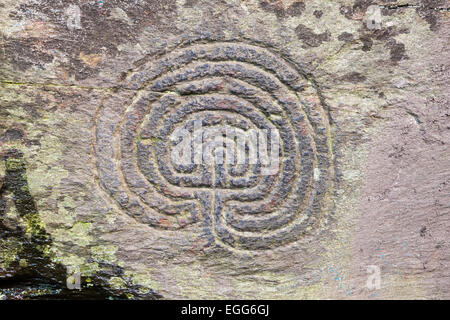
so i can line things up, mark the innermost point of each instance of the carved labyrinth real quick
(222, 86)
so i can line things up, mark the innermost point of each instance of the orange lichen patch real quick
(91, 60)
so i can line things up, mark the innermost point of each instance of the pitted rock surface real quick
(92, 93)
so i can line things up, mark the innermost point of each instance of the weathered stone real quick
(91, 93)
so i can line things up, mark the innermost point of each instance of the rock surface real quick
(358, 91)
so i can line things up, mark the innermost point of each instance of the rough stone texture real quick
(86, 180)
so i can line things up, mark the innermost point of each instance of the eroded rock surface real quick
(356, 90)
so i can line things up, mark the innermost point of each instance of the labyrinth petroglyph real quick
(222, 86)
